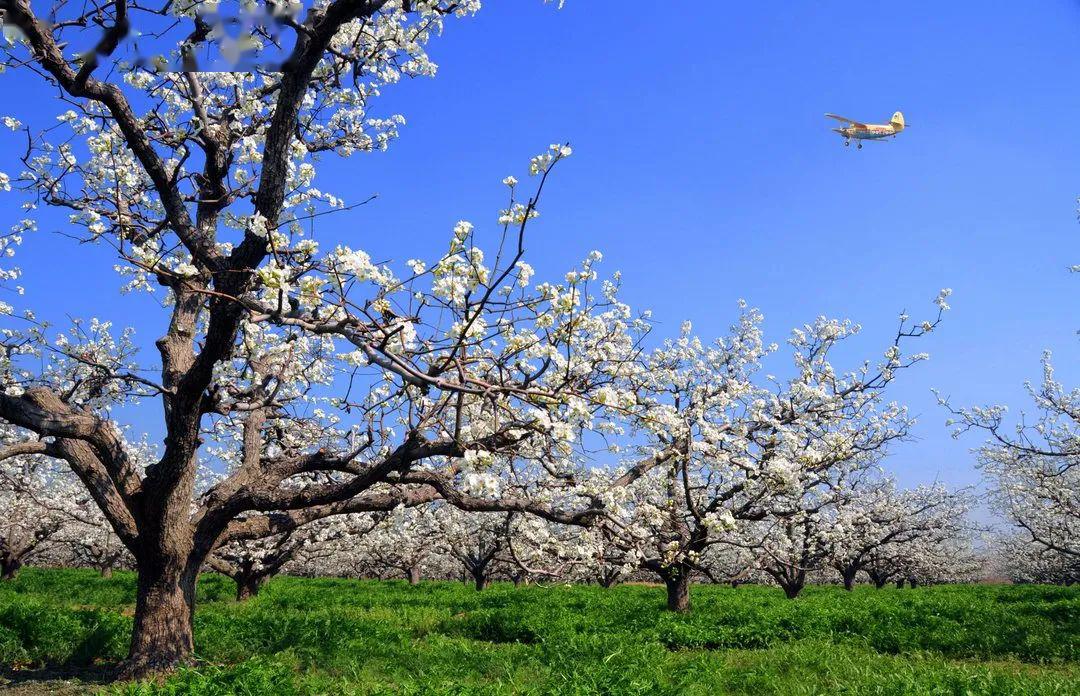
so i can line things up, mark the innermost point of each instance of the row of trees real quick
(867, 529)
(316, 406)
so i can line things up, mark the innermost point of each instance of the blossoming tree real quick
(251, 562)
(1020, 559)
(725, 447)
(477, 540)
(876, 525)
(1034, 470)
(407, 542)
(42, 504)
(283, 359)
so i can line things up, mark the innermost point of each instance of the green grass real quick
(347, 637)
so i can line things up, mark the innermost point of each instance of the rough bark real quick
(480, 579)
(678, 592)
(106, 572)
(247, 586)
(848, 574)
(164, 611)
(900, 584)
(414, 575)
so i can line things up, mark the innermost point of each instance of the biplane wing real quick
(857, 124)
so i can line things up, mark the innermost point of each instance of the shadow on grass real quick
(57, 679)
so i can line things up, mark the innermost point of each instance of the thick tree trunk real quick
(164, 611)
(608, 581)
(247, 586)
(792, 589)
(849, 578)
(480, 579)
(876, 578)
(414, 575)
(106, 572)
(793, 584)
(9, 568)
(678, 592)
(912, 583)
(735, 584)
(790, 580)
(900, 584)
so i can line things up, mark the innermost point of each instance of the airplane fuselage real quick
(871, 132)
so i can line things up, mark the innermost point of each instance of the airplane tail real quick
(897, 121)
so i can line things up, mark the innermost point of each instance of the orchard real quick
(329, 467)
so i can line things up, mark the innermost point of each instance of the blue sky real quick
(705, 172)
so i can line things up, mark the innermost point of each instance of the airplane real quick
(868, 131)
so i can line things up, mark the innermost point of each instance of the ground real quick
(61, 630)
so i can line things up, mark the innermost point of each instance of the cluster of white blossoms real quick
(542, 163)
(482, 484)
(358, 265)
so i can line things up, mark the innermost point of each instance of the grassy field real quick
(347, 637)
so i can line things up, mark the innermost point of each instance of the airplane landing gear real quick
(859, 146)
(847, 143)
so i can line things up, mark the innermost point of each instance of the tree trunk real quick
(900, 584)
(106, 572)
(678, 592)
(247, 586)
(480, 578)
(9, 568)
(414, 575)
(912, 583)
(735, 584)
(164, 611)
(793, 584)
(849, 578)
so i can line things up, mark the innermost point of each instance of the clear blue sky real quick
(704, 170)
